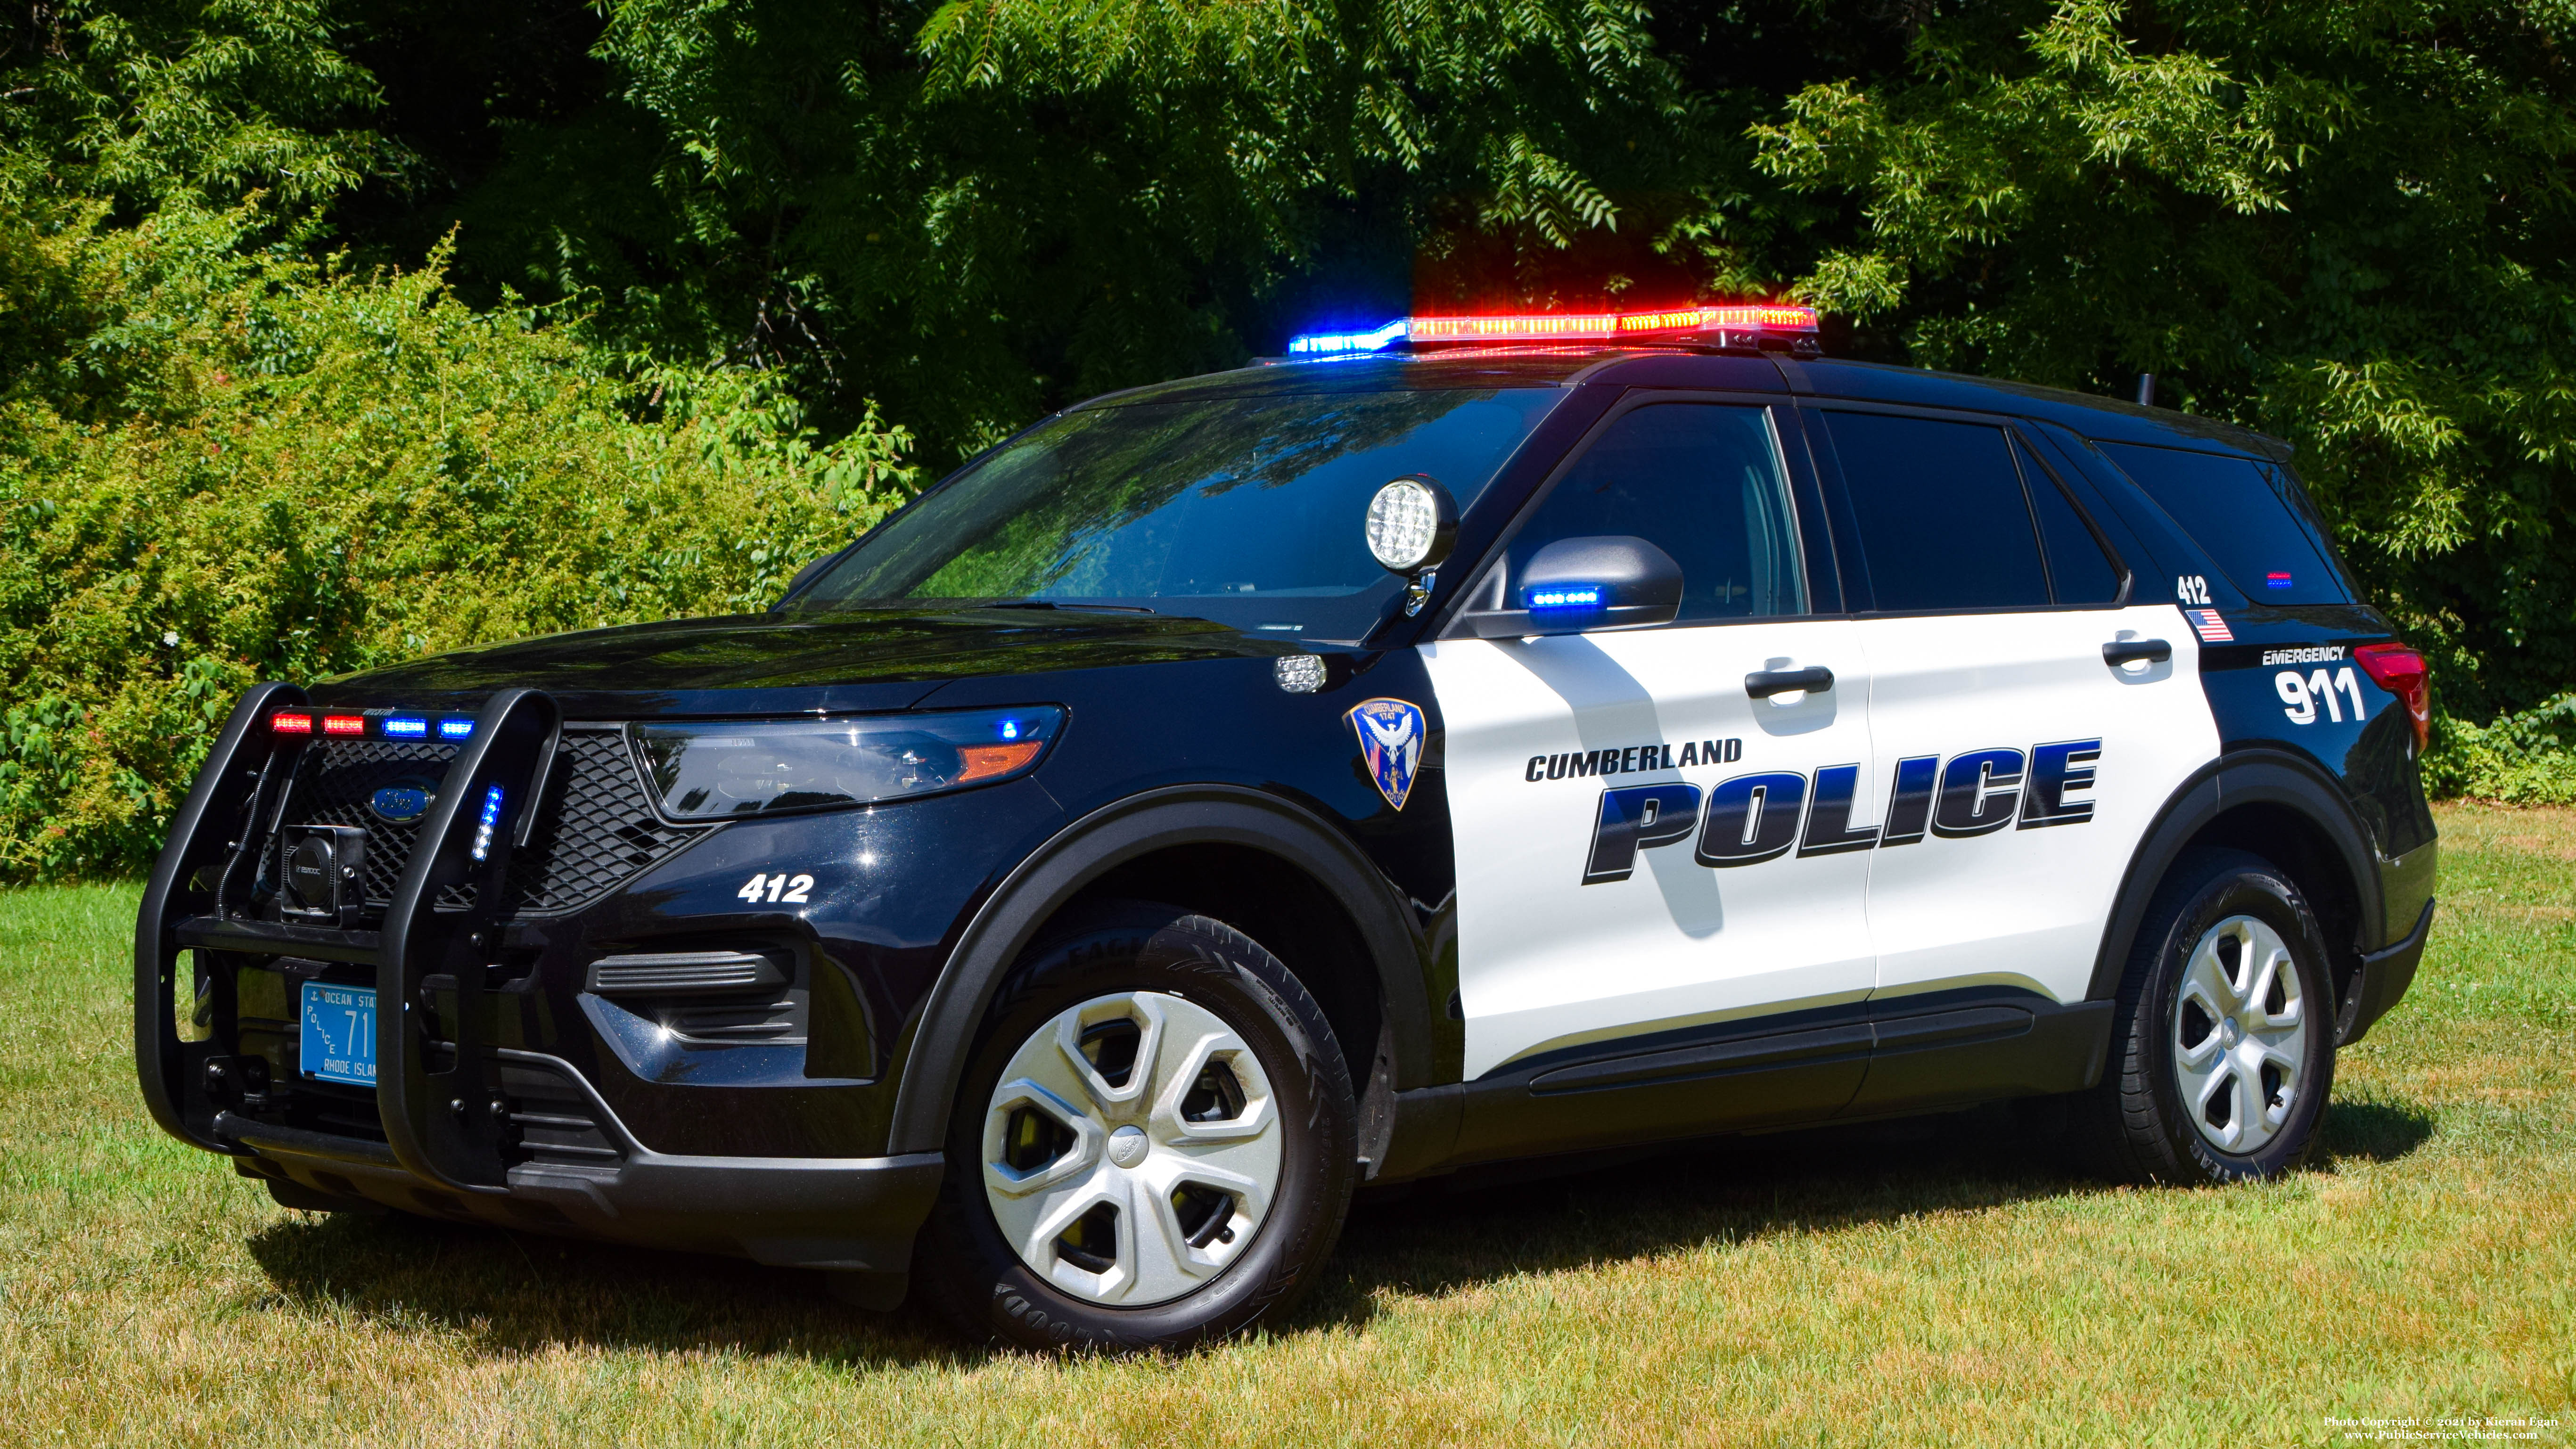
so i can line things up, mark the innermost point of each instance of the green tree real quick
(2349, 224)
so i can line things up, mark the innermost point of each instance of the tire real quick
(2222, 1042)
(1070, 1214)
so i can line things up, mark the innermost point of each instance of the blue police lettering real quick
(1753, 818)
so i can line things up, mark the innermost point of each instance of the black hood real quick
(875, 659)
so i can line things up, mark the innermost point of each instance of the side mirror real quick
(798, 582)
(1577, 585)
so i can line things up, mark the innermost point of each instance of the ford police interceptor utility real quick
(1478, 739)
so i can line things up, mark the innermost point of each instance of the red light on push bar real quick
(2397, 668)
(290, 724)
(344, 724)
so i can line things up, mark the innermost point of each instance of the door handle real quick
(2130, 651)
(1764, 683)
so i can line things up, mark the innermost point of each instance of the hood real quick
(872, 659)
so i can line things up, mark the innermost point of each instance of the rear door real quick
(2022, 767)
(1628, 819)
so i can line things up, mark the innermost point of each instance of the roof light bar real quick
(1765, 326)
(1325, 344)
(290, 724)
(344, 724)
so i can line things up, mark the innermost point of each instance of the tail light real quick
(2400, 670)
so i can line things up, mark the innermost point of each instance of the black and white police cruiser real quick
(1481, 739)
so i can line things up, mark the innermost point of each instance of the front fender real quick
(1009, 920)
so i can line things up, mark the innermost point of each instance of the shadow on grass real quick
(2374, 1131)
(513, 1293)
(1473, 1228)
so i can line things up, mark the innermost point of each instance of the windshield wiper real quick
(1078, 604)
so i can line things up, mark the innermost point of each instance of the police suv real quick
(1480, 739)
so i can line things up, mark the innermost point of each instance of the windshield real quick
(1244, 510)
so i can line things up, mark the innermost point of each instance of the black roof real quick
(2107, 419)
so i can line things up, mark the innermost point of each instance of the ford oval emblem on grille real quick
(400, 804)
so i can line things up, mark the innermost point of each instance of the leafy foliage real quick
(2347, 224)
(330, 333)
(272, 469)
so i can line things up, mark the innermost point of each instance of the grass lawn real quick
(1932, 1281)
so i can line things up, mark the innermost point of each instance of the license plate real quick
(340, 1033)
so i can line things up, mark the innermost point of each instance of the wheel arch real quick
(1217, 848)
(2274, 804)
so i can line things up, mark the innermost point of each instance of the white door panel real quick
(1572, 933)
(2014, 887)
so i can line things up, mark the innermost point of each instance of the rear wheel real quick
(1153, 1145)
(2223, 1040)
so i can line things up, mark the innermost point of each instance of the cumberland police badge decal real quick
(1390, 734)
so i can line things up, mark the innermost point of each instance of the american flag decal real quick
(2211, 628)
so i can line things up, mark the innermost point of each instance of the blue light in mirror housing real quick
(455, 729)
(1010, 729)
(1566, 596)
(1326, 343)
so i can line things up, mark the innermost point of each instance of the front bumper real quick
(833, 1214)
(462, 1124)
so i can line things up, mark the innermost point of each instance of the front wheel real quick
(2223, 1038)
(1153, 1144)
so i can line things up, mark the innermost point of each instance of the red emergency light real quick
(1786, 321)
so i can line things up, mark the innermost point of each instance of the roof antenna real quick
(2146, 389)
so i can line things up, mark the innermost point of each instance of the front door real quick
(1637, 849)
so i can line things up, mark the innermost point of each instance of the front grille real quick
(595, 826)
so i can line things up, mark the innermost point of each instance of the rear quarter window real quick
(2250, 518)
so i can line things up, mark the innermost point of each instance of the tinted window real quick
(2248, 517)
(1703, 483)
(1940, 513)
(1246, 510)
(2078, 570)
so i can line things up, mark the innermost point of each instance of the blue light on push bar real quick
(1576, 596)
(399, 728)
(491, 817)
(455, 729)
(1315, 344)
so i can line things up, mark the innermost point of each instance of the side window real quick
(2077, 568)
(1939, 508)
(1702, 482)
(2248, 517)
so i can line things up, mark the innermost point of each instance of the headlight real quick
(720, 769)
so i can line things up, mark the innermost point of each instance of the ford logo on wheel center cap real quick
(400, 804)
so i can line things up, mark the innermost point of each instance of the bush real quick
(220, 464)
(2528, 758)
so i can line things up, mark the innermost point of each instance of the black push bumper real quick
(842, 1215)
(2385, 975)
(445, 1145)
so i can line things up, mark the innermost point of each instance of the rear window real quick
(2249, 517)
